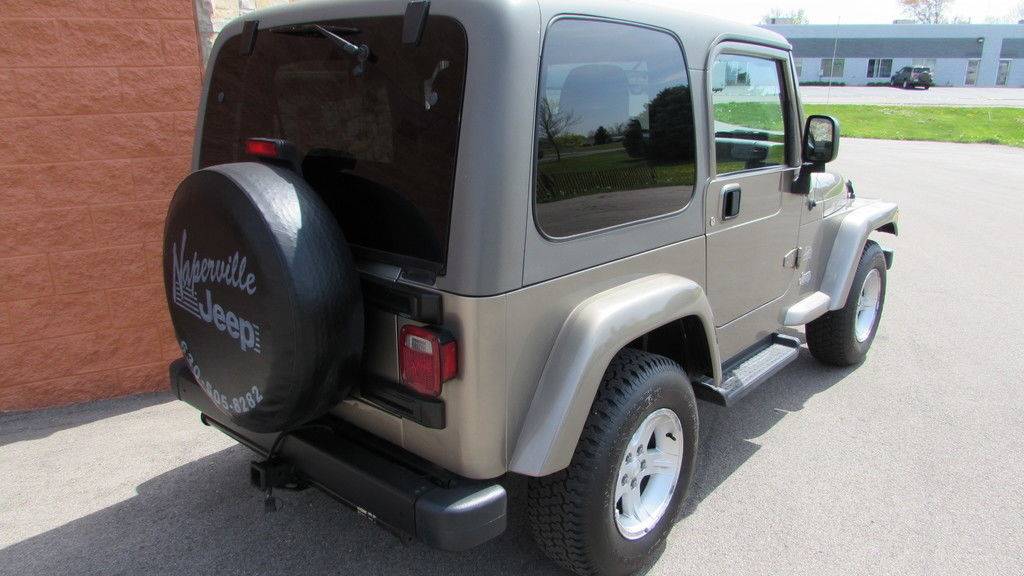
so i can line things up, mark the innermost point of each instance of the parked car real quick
(912, 77)
(404, 268)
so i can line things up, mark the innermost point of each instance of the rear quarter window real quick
(615, 132)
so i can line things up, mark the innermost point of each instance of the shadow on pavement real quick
(22, 426)
(727, 434)
(203, 518)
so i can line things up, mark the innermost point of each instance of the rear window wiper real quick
(361, 52)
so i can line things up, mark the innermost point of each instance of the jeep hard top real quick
(430, 245)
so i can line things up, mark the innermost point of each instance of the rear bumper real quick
(378, 479)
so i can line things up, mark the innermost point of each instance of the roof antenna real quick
(415, 20)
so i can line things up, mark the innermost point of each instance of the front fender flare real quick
(862, 219)
(590, 337)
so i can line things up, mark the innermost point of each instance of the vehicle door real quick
(751, 209)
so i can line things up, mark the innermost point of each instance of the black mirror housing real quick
(821, 140)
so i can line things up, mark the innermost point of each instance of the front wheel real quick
(609, 512)
(842, 337)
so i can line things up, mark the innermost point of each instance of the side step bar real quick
(749, 372)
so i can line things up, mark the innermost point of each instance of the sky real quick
(849, 12)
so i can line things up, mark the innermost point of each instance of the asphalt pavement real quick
(938, 96)
(911, 463)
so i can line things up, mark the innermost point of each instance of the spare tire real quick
(263, 294)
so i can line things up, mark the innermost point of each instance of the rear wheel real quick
(843, 337)
(610, 511)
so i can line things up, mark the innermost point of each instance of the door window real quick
(615, 134)
(749, 113)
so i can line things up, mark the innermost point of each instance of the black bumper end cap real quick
(461, 518)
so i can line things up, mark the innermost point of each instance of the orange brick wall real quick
(97, 111)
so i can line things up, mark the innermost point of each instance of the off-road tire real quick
(832, 338)
(571, 511)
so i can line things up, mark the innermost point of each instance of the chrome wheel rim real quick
(867, 305)
(648, 474)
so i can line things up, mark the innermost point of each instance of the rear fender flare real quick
(591, 336)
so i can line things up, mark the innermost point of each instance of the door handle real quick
(731, 196)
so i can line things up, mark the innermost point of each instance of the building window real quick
(880, 68)
(750, 120)
(735, 73)
(832, 68)
(799, 64)
(1003, 74)
(971, 78)
(615, 127)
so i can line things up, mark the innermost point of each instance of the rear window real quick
(379, 147)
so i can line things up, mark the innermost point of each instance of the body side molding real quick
(588, 340)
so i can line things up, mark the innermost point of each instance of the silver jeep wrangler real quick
(430, 245)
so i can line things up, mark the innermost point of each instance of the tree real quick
(671, 134)
(601, 136)
(555, 123)
(791, 16)
(633, 139)
(926, 11)
(618, 129)
(1014, 16)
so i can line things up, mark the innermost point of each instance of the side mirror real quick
(821, 140)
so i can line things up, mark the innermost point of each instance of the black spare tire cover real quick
(263, 294)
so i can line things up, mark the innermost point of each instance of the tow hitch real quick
(274, 473)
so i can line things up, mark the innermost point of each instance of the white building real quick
(859, 55)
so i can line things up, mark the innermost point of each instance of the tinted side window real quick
(614, 127)
(750, 120)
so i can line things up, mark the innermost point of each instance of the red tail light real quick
(262, 147)
(427, 357)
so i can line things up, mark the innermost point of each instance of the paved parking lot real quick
(912, 463)
(939, 96)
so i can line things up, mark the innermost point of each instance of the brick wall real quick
(97, 111)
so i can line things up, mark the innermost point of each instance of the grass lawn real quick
(607, 168)
(936, 123)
